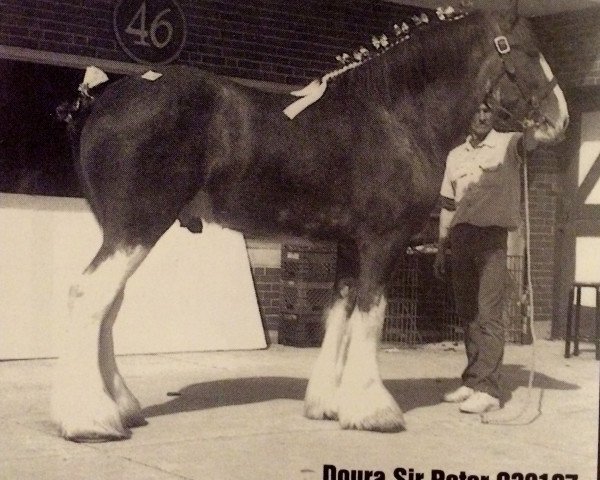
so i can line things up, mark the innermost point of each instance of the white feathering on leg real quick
(364, 402)
(321, 394)
(82, 401)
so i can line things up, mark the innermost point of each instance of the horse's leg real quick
(128, 405)
(364, 402)
(321, 400)
(83, 405)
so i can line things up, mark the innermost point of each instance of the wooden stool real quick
(575, 292)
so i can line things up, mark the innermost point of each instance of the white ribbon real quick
(92, 78)
(151, 75)
(309, 95)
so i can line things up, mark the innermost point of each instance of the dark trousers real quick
(479, 275)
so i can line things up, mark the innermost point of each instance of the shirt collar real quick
(491, 140)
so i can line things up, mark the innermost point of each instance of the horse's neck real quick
(447, 106)
(443, 114)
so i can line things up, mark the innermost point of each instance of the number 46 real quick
(143, 32)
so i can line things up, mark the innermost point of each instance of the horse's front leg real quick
(321, 400)
(364, 402)
(86, 379)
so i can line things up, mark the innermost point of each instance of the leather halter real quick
(532, 97)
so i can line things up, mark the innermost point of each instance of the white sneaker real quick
(459, 395)
(479, 402)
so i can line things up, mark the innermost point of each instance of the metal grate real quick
(421, 308)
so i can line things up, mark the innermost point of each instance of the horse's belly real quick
(264, 218)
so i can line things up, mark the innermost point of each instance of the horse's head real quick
(518, 83)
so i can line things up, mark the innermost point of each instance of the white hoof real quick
(371, 408)
(320, 402)
(88, 418)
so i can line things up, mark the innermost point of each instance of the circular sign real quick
(150, 31)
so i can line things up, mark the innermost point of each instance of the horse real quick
(361, 165)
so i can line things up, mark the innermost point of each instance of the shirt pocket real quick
(493, 176)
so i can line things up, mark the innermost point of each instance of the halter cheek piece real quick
(532, 97)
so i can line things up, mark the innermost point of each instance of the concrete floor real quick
(239, 416)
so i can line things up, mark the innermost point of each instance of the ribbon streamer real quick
(309, 95)
(92, 78)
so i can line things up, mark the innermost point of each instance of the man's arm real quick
(439, 264)
(446, 216)
(448, 205)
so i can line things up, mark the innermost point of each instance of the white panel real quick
(587, 266)
(193, 292)
(589, 151)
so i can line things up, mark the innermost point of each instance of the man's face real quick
(482, 122)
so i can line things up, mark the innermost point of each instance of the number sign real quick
(150, 31)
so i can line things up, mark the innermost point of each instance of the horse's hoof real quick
(130, 410)
(134, 420)
(94, 431)
(87, 417)
(320, 402)
(372, 409)
(386, 420)
(316, 410)
(96, 436)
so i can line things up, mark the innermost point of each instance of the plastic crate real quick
(309, 262)
(301, 330)
(305, 297)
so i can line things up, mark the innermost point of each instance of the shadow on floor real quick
(410, 393)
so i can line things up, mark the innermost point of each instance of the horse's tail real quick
(75, 113)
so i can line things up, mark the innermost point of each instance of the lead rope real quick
(517, 420)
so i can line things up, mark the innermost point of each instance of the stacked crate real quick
(308, 275)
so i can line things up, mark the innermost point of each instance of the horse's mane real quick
(438, 50)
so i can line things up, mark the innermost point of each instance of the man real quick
(480, 196)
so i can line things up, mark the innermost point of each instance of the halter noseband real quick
(532, 97)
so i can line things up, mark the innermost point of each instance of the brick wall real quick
(267, 282)
(273, 40)
(571, 44)
(544, 189)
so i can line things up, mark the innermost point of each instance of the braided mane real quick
(435, 51)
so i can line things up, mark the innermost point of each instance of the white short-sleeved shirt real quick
(482, 183)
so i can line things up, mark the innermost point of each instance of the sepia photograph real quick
(299, 239)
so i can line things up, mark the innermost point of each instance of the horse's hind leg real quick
(128, 405)
(89, 403)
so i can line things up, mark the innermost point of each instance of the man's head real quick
(482, 122)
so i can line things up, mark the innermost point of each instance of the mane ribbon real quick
(313, 92)
(309, 95)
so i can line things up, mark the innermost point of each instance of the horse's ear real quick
(511, 16)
